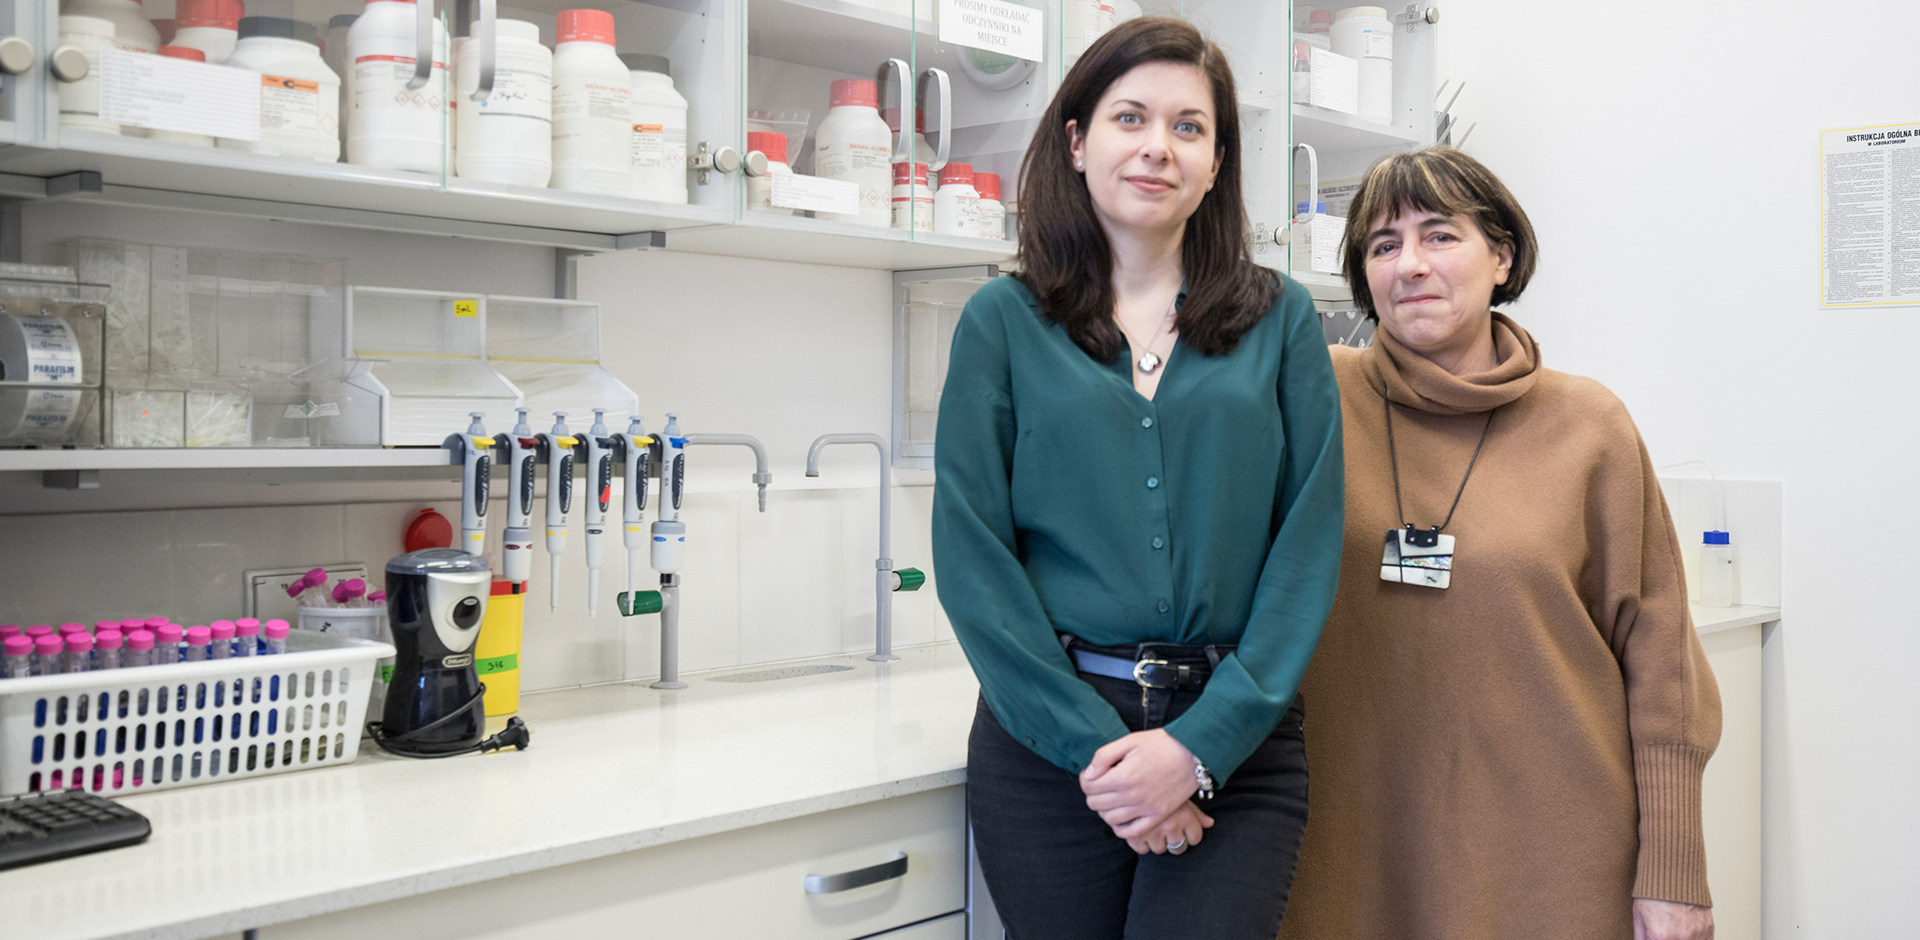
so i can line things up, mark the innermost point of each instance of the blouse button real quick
(1156, 542)
(1146, 422)
(1153, 482)
(1164, 606)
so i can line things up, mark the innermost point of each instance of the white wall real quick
(780, 351)
(1668, 158)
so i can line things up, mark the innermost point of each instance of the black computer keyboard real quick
(40, 827)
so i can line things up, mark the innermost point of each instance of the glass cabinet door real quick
(308, 66)
(667, 63)
(823, 77)
(979, 100)
(23, 53)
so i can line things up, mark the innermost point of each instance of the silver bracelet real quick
(1204, 779)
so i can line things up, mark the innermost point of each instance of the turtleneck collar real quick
(1413, 380)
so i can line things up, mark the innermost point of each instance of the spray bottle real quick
(556, 447)
(474, 452)
(600, 451)
(516, 550)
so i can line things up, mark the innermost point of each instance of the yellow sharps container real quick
(496, 656)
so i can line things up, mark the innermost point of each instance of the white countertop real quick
(1715, 619)
(612, 768)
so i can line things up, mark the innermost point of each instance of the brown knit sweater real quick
(1519, 755)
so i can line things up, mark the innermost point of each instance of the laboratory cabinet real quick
(893, 868)
(748, 70)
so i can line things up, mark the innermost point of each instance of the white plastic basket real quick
(159, 727)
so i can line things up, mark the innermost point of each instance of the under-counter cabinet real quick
(800, 879)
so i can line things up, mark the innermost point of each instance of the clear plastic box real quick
(52, 354)
(423, 354)
(550, 350)
(211, 347)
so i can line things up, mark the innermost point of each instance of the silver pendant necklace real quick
(1149, 360)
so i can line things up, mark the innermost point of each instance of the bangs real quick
(1397, 187)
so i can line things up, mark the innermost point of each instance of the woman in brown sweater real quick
(1512, 710)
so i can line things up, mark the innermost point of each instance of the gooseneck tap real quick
(760, 475)
(885, 579)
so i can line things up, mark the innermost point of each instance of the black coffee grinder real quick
(436, 598)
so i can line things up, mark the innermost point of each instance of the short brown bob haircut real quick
(1065, 258)
(1443, 180)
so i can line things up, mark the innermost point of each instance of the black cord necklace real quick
(1422, 556)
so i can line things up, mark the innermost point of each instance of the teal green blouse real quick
(1065, 501)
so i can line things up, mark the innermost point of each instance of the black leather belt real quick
(1150, 665)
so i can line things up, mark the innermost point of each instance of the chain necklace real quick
(1149, 360)
(1423, 557)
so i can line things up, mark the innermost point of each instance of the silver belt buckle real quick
(1139, 673)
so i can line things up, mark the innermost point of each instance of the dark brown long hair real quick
(1065, 258)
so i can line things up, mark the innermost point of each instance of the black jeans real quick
(1057, 872)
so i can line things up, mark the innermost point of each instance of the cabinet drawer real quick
(752, 883)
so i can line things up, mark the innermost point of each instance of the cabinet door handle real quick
(897, 76)
(16, 55)
(489, 54)
(69, 64)
(1313, 181)
(423, 46)
(940, 93)
(859, 877)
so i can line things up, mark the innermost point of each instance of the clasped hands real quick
(1141, 786)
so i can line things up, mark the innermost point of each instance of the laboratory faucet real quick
(670, 536)
(760, 475)
(885, 579)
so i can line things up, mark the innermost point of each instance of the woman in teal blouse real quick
(1138, 518)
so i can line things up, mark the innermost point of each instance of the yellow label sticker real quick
(466, 308)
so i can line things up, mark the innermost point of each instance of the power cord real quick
(515, 734)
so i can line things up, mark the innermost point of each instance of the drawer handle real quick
(859, 877)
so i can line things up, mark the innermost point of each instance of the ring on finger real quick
(1177, 847)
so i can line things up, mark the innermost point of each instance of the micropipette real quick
(473, 449)
(557, 446)
(669, 547)
(636, 452)
(600, 450)
(516, 549)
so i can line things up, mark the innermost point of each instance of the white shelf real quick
(1332, 132)
(1715, 619)
(817, 241)
(1330, 287)
(220, 458)
(141, 172)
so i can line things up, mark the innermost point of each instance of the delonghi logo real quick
(456, 661)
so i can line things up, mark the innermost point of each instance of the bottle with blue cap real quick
(1716, 569)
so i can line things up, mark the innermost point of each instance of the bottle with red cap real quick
(211, 26)
(922, 151)
(592, 107)
(854, 144)
(912, 197)
(956, 207)
(192, 140)
(773, 145)
(993, 215)
(390, 125)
